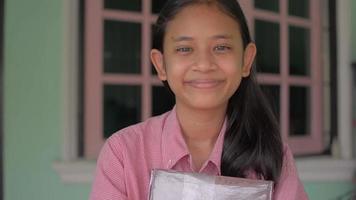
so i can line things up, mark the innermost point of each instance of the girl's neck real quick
(200, 126)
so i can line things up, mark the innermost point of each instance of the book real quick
(174, 185)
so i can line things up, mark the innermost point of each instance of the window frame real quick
(95, 78)
(312, 143)
(75, 169)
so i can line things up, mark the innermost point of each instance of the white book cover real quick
(173, 185)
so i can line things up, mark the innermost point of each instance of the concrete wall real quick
(32, 116)
(353, 35)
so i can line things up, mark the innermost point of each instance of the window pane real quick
(299, 111)
(267, 41)
(299, 8)
(157, 5)
(272, 93)
(271, 5)
(122, 107)
(162, 100)
(299, 51)
(130, 5)
(153, 70)
(122, 47)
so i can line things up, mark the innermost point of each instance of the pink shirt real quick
(128, 156)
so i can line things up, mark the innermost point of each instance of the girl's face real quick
(204, 59)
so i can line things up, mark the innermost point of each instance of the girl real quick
(221, 123)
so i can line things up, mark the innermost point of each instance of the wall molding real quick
(313, 169)
(344, 78)
(80, 171)
(326, 169)
(69, 81)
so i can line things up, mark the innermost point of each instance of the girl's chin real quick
(206, 105)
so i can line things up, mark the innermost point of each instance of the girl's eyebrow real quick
(223, 36)
(182, 38)
(188, 38)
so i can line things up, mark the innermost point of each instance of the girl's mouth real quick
(204, 83)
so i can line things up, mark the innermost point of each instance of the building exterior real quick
(41, 127)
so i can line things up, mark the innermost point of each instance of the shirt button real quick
(169, 163)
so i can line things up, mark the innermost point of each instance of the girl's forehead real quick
(202, 20)
(205, 11)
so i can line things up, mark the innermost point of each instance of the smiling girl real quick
(221, 123)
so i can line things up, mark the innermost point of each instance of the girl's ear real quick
(157, 60)
(249, 57)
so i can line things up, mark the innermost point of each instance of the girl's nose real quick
(204, 62)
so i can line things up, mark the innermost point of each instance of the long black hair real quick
(252, 140)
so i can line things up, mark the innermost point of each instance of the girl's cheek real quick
(183, 61)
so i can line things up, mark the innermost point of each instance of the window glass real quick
(299, 51)
(299, 8)
(157, 5)
(272, 93)
(122, 47)
(153, 70)
(299, 111)
(129, 5)
(162, 100)
(268, 46)
(122, 107)
(270, 5)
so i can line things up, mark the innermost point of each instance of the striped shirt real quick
(128, 156)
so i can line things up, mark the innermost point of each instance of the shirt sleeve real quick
(109, 181)
(289, 185)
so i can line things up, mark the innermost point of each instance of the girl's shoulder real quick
(289, 185)
(141, 133)
(288, 158)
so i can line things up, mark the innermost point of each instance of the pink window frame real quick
(94, 78)
(313, 142)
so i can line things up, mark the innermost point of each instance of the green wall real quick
(32, 115)
(353, 33)
(328, 191)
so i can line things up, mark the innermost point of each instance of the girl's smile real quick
(204, 83)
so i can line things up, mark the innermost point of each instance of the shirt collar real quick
(173, 144)
(174, 147)
(216, 153)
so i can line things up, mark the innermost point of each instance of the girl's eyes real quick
(184, 49)
(222, 48)
(218, 48)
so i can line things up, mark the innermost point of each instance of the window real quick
(120, 88)
(288, 38)
(336, 167)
